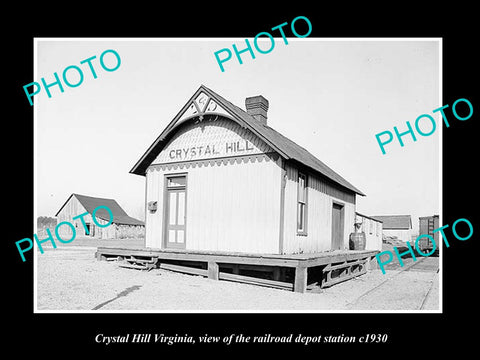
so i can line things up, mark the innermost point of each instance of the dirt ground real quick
(69, 278)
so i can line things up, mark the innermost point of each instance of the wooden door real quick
(175, 215)
(337, 226)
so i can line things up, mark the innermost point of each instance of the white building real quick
(218, 178)
(373, 229)
(397, 226)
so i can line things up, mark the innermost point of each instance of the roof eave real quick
(238, 118)
(236, 114)
(65, 203)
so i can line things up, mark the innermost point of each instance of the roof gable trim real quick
(203, 102)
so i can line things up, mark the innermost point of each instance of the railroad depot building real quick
(123, 226)
(219, 178)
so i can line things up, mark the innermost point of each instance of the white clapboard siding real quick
(71, 209)
(373, 232)
(234, 198)
(233, 202)
(230, 206)
(319, 215)
(108, 232)
(154, 220)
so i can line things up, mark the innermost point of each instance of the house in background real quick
(373, 229)
(123, 226)
(399, 226)
(220, 178)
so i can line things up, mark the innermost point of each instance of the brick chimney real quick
(257, 106)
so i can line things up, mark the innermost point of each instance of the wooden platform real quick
(337, 266)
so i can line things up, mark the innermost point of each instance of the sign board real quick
(210, 139)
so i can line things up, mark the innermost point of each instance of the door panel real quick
(171, 236)
(181, 208)
(180, 236)
(172, 205)
(337, 226)
(175, 226)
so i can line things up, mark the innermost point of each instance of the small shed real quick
(123, 226)
(373, 229)
(220, 178)
(396, 226)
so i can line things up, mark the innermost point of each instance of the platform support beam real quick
(276, 274)
(235, 269)
(212, 270)
(300, 284)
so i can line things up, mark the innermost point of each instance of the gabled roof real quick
(288, 149)
(395, 222)
(368, 217)
(120, 217)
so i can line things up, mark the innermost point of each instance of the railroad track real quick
(428, 292)
(416, 265)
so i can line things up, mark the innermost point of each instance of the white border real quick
(386, 39)
(35, 169)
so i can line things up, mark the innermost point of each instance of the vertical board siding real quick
(374, 239)
(234, 205)
(319, 213)
(71, 209)
(325, 186)
(108, 232)
(154, 221)
(230, 206)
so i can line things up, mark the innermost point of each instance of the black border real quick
(50, 333)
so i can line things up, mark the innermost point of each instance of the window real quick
(176, 181)
(302, 204)
(371, 226)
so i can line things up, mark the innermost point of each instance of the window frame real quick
(176, 186)
(166, 188)
(302, 204)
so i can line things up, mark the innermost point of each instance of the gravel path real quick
(70, 278)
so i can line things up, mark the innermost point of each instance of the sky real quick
(331, 96)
